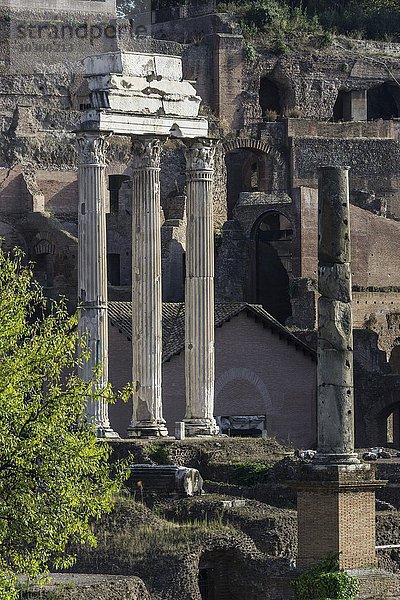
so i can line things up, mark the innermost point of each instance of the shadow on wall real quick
(274, 257)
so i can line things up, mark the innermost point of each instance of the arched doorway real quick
(274, 252)
(247, 171)
(384, 101)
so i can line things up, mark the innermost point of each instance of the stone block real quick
(169, 67)
(181, 107)
(180, 430)
(166, 480)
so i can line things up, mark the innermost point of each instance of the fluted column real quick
(92, 269)
(147, 419)
(199, 293)
(335, 328)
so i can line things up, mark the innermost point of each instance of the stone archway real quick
(246, 157)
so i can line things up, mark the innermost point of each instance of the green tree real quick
(54, 474)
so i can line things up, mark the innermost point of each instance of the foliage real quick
(250, 53)
(326, 581)
(157, 453)
(250, 473)
(54, 474)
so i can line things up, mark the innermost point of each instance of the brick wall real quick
(256, 373)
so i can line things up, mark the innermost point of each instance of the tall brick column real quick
(336, 494)
(199, 292)
(92, 268)
(147, 419)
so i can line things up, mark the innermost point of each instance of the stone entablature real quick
(137, 94)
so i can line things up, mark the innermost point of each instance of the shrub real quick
(326, 581)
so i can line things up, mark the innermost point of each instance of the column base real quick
(106, 433)
(148, 429)
(336, 459)
(196, 427)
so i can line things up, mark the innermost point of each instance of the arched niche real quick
(383, 101)
(270, 97)
(43, 257)
(273, 235)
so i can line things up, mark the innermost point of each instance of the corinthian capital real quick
(200, 157)
(146, 153)
(93, 148)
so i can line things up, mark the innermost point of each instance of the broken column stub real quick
(335, 330)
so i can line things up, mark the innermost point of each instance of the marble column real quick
(147, 419)
(92, 270)
(335, 329)
(199, 292)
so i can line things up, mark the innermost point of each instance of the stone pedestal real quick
(336, 515)
(147, 419)
(199, 293)
(92, 269)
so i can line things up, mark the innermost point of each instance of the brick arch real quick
(279, 164)
(256, 145)
(243, 374)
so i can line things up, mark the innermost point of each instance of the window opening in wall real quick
(269, 97)
(114, 185)
(383, 101)
(274, 252)
(113, 269)
(254, 176)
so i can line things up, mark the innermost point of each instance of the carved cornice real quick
(93, 149)
(146, 154)
(200, 157)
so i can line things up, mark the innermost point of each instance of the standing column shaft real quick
(147, 419)
(335, 330)
(92, 269)
(199, 293)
